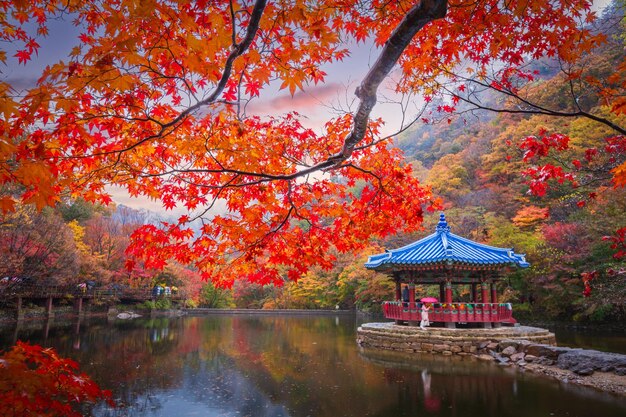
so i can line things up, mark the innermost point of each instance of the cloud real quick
(302, 100)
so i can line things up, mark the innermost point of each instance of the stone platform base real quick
(390, 336)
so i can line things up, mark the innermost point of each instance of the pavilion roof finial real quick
(442, 226)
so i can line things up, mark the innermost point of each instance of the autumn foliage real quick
(36, 381)
(154, 98)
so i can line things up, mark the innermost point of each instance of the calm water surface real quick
(242, 365)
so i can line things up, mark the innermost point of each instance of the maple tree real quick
(36, 381)
(153, 98)
(37, 247)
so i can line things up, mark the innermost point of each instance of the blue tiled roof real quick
(445, 247)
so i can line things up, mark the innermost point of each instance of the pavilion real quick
(446, 259)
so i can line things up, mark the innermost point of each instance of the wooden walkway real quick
(18, 293)
(66, 291)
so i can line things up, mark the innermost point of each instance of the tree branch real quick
(419, 15)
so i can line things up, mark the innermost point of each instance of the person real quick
(405, 296)
(168, 291)
(425, 322)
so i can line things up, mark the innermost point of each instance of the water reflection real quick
(292, 366)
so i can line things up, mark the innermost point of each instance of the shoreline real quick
(527, 349)
(40, 315)
(602, 381)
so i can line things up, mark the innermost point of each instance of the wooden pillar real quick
(412, 301)
(494, 293)
(448, 300)
(19, 312)
(448, 294)
(398, 295)
(474, 292)
(484, 292)
(442, 292)
(411, 294)
(49, 305)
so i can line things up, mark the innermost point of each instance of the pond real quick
(279, 365)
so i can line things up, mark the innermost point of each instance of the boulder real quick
(584, 362)
(584, 371)
(503, 360)
(483, 345)
(127, 315)
(492, 346)
(546, 351)
(517, 344)
(508, 351)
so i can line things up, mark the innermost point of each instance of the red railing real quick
(451, 313)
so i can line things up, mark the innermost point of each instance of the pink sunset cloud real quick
(303, 100)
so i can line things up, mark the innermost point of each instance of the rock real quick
(508, 351)
(522, 363)
(579, 360)
(455, 349)
(584, 371)
(547, 351)
(530, 358)
(502, 360)
(516, 357)
(127, 315)
(544, 361)
(509, 343)
(485, 357)
(492, 346)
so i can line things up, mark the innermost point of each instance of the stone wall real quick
(506, 345)
(390, 336)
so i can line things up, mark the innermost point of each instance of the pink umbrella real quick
(428, 300)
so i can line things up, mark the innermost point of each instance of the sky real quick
(317, 103)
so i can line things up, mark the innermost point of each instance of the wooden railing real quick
(61, 291)
(451, 313)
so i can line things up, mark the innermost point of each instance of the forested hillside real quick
(490, 170)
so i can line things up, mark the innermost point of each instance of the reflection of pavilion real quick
(446, 259)
(433, 382)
